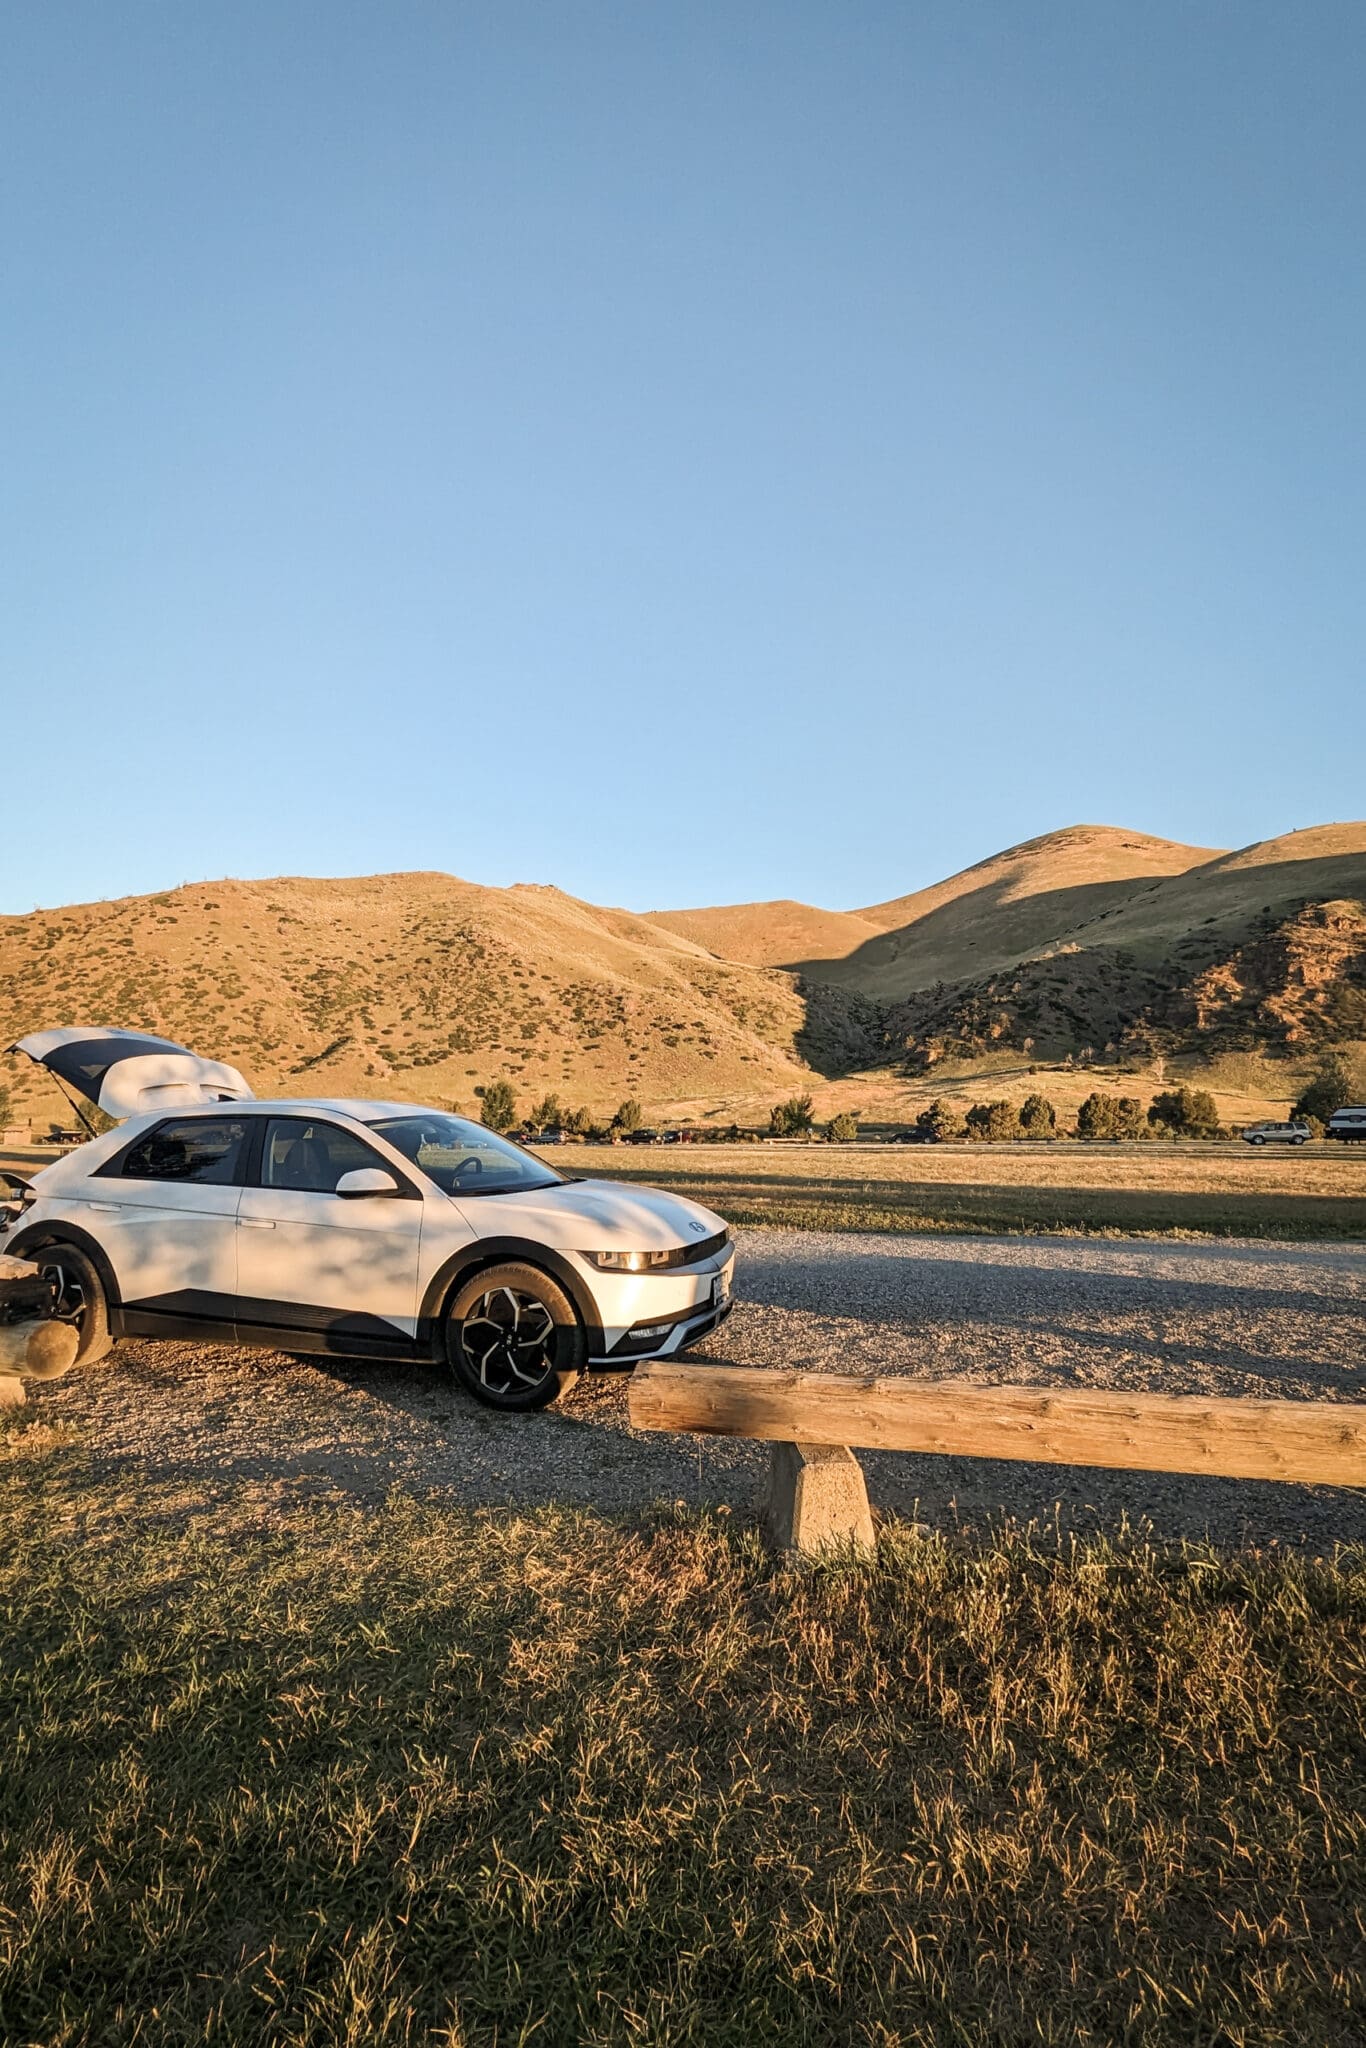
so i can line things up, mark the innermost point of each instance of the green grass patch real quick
(414, 1775)
(955, 1207)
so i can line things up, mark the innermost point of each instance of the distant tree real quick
(1130, 1121)
(547, 1115)
(1098, 1116)
(940, 1120)
(4, 1103)
(578, 1122)
(1038, 1118)
(793, 1118)
(1185, 1112)
(498, 1109)
(993, 1121)
(627, 1117)
(1330, 1088)
(842, 1129)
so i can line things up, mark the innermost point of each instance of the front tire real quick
(1259, 1141)
(513, 1339)
(79, 1295)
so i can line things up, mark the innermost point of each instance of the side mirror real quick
(366, 1180)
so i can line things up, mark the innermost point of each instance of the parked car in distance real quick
(915, 1136)
(1277, 1134)
(643, 1137)
(1348, 1124)
(551, 1137)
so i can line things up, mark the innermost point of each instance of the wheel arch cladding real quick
(42, 1236)
(498, 1251)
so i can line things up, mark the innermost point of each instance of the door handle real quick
(255, 1223)
(104, 1208)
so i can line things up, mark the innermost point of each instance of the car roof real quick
(295, 1105)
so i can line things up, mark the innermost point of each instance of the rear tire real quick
(513, 1339)
(80, 1299)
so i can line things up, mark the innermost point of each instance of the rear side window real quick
(311, 1158)
(207, 1150)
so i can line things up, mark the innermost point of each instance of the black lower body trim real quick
(194, 1313)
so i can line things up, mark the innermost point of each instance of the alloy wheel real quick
(69, 1304)
(509, 1340)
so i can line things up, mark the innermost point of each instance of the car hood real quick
(125, 1073)
(594, 1216)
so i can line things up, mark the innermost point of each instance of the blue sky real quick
(684, 453)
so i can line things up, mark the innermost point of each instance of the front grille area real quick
(705, 1248)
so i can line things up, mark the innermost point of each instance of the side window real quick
(311, 1158)
(207, 1150)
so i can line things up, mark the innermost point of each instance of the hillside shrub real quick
(1111, 1116)
(791, 1119)
(842, 1129)
(498, 1109)
(1038, 1118)
(940, 1120)
(993, 1121)
(1185, 1112)
(547, 1115)
(1332, 1087)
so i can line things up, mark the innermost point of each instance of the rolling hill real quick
(1091, 940)
(988, 916)
(413, 984)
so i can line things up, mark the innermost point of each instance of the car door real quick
(164, 1211)
(327, 1272)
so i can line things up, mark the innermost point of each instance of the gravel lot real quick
(1253, 1319)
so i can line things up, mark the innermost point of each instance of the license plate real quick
(720, 1288)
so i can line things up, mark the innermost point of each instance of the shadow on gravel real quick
(904, 1288)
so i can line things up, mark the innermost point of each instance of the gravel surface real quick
(1252, 1319)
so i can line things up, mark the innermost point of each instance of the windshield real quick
(463, 1158)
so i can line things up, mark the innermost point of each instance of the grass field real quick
(319, 1775)
(1156, 1190)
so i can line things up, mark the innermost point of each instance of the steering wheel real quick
(469, 1166)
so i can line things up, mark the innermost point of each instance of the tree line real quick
(1171, 1113)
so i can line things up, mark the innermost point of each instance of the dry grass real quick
(1164, 1190)
(428, 1776)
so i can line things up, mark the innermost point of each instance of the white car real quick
(1276, 1134)
(359, 1229)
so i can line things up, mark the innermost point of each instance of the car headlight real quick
(631, 1262)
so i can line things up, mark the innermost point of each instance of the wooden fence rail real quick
(1320, 1443)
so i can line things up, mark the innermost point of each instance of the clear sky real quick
(683, 452)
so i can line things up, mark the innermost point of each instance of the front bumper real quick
(655, 1315)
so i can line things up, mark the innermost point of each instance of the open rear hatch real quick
(127, 1073)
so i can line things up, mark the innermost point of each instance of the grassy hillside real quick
(1005, 908)
(1095, 937)
(991, 914)
(772, 934)
(408, 985)
(1265, 948)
